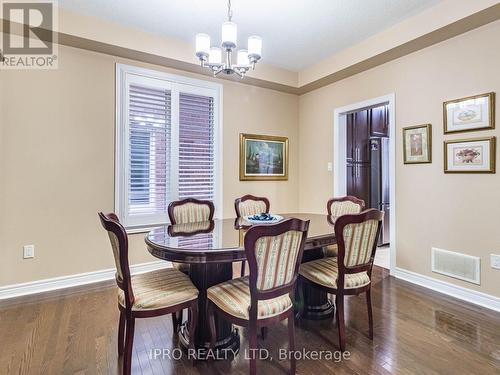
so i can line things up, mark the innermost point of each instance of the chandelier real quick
(211, 57)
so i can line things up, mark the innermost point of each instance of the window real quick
(167, 144)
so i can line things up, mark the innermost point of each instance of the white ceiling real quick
(296, 33)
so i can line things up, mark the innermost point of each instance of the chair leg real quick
(176, 321)
(370, 313)
(263, 332)
(291, 343)
(121, 333)
(339, 301)
(129, 342)
(193, 321)
(211, 325)
(243, 265)
(252, 346)
(300, 292)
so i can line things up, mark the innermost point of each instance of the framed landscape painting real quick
(263, 157)
(475, 155)
(468, 114)
(417, 144)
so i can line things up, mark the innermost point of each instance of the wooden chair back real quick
(274, 253)
(251, 205)
(190, 210)
(357, 237)
(345, 205)
(119, 243)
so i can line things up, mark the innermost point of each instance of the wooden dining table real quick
(211, 247)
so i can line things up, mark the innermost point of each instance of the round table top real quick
(219, 241)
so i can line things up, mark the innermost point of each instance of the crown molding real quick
(441, 34)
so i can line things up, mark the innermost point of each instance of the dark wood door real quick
(361, 136)
(379, 121)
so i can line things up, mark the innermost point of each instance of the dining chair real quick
(265, 297)
(145, 295)
(250, 205)
(342, 206)
(349, 273)
(188, 211)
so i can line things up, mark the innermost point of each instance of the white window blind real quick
(167, 144)
(196, 147)
(149, 144)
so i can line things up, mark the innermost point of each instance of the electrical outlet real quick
(495, 261)
(28, 251)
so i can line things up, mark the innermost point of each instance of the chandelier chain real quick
(229, 11)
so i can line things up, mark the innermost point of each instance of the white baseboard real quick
(468, 295)
(46, 285)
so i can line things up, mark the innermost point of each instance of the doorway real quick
(351, 163)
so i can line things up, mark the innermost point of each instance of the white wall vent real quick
(457, 265)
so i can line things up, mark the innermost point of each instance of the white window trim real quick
(188, 85)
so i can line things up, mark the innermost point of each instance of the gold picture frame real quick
(421, 137)
(466, 114)
(470, 155)
(263, 157)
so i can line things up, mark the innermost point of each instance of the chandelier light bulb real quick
(243, 58)
(202, 45)
(255, 47)
(229, 34)
(215, 56)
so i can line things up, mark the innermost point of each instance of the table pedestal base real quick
(226, 348)
(317, 306)
(227, 342)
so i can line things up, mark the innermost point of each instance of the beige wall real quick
(457, 212)
(56, 157)
(57, 162)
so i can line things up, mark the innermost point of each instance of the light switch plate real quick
(495, 261)
(329, 166)
(28, 251)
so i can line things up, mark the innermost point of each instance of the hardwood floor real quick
(416, 331)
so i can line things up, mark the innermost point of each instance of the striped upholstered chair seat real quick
(233, 297)
(158, 289)
(342, 206)
(325, 272)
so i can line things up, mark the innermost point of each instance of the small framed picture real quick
(475, 155)
(417, 144)
(263, 157)
(468, 114)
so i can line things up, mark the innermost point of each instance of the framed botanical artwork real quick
(263, 157)
(417, 144)
(468, 114)
(474, 155)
